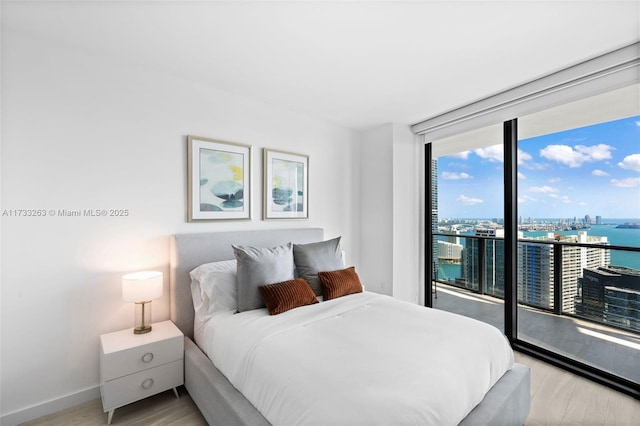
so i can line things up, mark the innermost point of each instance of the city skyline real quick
(592, 170)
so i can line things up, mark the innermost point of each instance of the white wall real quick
(390, 200)
(407, 160)
(376, 201)
(85, 131)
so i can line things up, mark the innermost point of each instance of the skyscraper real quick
(449, 252)
(622, 307)
(536, 272)
(493, 264)
(536, 268)
(611, 294)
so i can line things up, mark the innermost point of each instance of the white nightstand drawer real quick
(119, 392)
(121, 363)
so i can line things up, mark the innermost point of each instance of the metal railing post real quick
(557, 279)
(481, 265)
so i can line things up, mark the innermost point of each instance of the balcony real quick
(569, 301)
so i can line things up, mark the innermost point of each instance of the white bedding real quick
(360, 359)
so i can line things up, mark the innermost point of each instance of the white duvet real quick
(363, 359)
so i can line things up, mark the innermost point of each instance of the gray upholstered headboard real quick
(191, 250)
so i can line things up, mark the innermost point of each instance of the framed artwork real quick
(286, 185)
(219, 180)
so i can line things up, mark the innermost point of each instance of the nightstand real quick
(135, 366)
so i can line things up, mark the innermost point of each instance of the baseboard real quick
(52, 406)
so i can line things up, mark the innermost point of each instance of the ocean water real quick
(615, 236)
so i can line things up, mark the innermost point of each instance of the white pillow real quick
(213, 288)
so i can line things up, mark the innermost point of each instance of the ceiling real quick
(358, 64)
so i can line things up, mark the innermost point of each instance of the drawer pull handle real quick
(147, 384)
(148, 357)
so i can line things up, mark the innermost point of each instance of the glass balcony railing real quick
(580, 300)
(593, 281)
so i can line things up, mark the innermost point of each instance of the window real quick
(578, 185)
(469, 254)
(565, 299)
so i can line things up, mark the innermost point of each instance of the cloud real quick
(543, 189)
(563, 154)
(596, 152)
(576, 157)
(462, 155)
(525, 198)
(468, 201)
(495, 153)
(523, 156)
(455, 176)
(626, 183)
(631, 162)
(458, 165)
(563, 198)
(533, 166)
(491, 153)
(521, 176)
(597, 172)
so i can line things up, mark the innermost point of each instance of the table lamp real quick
(141, 288)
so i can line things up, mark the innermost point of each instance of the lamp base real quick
(142, 330)
(143, 317)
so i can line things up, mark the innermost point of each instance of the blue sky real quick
(592, 170)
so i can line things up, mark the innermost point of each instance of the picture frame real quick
(286, 185)
(219, 180)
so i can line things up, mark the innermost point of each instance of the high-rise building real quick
(622, 307)
(535, 274)
(493, 278)
(449, 252)
(611, 293)
(452, 239)
(598, 220)
(536, 268)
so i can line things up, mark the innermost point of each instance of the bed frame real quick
(507, 403)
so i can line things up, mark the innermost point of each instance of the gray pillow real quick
(260, 266)
(317, 257)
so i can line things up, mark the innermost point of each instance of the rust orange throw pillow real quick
(339, 283)
(284, 296)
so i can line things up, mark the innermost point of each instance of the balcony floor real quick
(610, 349)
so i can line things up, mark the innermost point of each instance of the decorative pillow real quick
(260, 266)
(282, 297)
(214, 288)
(315, 257)
(339, 283)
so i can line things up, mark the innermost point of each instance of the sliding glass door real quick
(550, 254)
(579, 213)
(468, 249)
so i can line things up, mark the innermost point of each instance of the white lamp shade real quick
(142, 286)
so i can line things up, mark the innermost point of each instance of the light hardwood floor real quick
(557, 398)
(562, 398)
(162, 409)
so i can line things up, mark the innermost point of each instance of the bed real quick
(506, 402)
